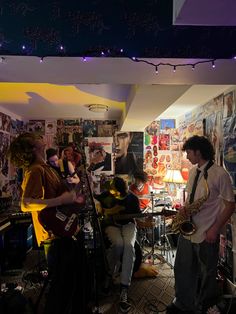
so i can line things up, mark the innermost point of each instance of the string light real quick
(119, 51)
(177, 65)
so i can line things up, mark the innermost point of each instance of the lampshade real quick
(173, 176)
(98, 108)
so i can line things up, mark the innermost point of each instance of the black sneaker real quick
(124, 305)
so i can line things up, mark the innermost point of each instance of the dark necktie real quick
(191, 198)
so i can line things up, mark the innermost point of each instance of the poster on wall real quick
(99, 152)
(128, 152)
(153, 128)
(213, 131)
(166, 124)
(69, 131)
(164, 142)
(37, 126)
(229, 107)
(4, 163)
(50, 127)
(106, 128)
(229, 148)
(90, 128)
(17, 127)
(5, 122)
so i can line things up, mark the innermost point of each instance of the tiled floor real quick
(147, 295)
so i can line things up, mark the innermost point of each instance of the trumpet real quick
(183, 225)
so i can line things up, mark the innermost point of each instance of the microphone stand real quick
(96, 232)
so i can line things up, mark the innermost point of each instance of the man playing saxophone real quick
(210, 203)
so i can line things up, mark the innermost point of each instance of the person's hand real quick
(67, 197)
(212, 234)
(28, 201)
(80, 198)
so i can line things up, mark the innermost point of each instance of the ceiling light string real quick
(175, 66)
(119, 52)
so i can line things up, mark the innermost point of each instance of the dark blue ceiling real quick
(141, 28)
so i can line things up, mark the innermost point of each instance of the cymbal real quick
(145, 196)
(161, 212)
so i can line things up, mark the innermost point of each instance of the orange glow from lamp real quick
(174, 176)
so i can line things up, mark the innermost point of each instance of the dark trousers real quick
(195, 274)
(69, 278)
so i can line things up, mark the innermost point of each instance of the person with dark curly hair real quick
(211, 195)
(43, 189)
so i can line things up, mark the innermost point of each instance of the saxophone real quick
(184, 224)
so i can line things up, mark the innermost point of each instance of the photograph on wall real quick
(99, 155)
(166, 124)
(175, 142)
(128, 152)
(218, 103)
(106, 128)
(164, 141)
(5, 122)
(213, 131)
(153, 128)
(50, 127)
(37, 126)
(69, 131)
(90, 128)
(229, 148)
(17, 126)
(229, 105)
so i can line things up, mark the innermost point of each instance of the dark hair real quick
(120, 185)
(21, 150)
(141, 176)
(95, 146)
(202, 144)
(50, 152)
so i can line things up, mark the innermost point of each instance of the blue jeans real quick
(122, 238)
(195, 274)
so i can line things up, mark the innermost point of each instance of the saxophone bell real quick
(187, 228)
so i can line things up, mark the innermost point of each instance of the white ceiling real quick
(62, 87)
